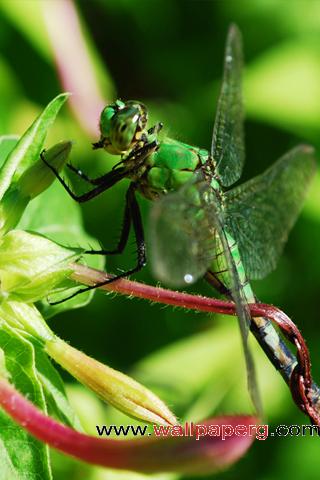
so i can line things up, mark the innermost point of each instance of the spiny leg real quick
(109, 179)
(97, 181)
(125, 230)
(83, 176)
(103, 183)
(132, 214)
(218, 284)
(138, 155)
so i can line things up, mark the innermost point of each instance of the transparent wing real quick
(186, 231)
(262, 211)
(242, 309)
(182, 241)
(227, 148)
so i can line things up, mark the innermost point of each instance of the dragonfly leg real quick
(84, 176)
(139, 154)
(132, 214)
(102, 183)
(214, 280)
(125, 230)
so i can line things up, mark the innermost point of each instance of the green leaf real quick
(28, 148)
(32, 266)
(21, 456)
(7, 144)
(26, 319)
(55, 215)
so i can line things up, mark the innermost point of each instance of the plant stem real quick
(294, 370)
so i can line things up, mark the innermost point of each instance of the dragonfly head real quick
(121, 126)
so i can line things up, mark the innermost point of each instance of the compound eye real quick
(124, 126)
(105, 120)
(123, 134)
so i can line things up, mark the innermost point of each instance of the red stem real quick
(305, 393)
(150, 454)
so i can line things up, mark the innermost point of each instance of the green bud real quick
(112, 386)
(34, 181)
(31, 266)
(39, 177)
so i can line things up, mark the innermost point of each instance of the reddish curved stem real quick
(305, 392)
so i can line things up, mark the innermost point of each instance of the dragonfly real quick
(201, 227)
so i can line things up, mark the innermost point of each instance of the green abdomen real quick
(220, 269)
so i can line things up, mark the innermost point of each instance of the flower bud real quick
(39, 177)
(35, 180)
(112, 386)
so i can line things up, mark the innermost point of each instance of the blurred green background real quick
(169, 53)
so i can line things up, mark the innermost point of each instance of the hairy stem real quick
(294, 369)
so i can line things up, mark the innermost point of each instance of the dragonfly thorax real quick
(170, 167)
